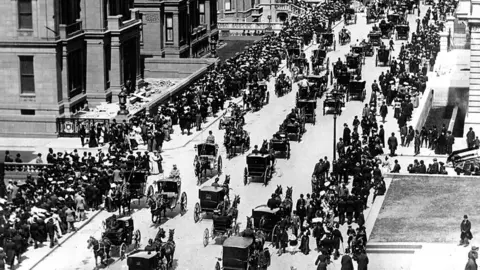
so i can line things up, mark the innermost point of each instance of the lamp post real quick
(268, 30)
(336, 111)
(213, 47)
(122, 100)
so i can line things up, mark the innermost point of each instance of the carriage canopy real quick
(140, 260)
(211, 193)
(169, 185)
(257, 159)
(206, 149)
(236, 252)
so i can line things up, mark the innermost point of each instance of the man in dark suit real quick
(465, 234)
(362, 260)
(51, 231)
(470, 138)
(347, 263)
(392, 144)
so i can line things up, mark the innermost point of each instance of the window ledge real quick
(28, 95)
(25, 30)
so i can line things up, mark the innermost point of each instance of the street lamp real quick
(268, 30)
(122, 100)
(336, 111)
(213, 46)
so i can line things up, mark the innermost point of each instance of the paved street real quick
(296, 172)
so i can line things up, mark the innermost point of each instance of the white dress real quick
(154, 164)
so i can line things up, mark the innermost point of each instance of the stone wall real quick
(174, 68)
(28, 126)
(421, 113)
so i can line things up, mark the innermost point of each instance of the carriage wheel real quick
(137, 239)
(220, 124)
(196, 212)
(219, 165)
(268, 257)
(245, 177)
(212, 232)
(266, 176)
(376, 60)
(104, 225)
(206, 235)
(183, 203)
(122, 251)
(217, 266)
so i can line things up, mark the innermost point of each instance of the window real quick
(169, 23)
(120, 7)
(182, 25)
(201, 11)
(25, 14)
(228, 6)
(27, 112)
(75, 73)
(27, 80)
(108, 65)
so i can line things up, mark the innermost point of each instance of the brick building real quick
(55, 55)
(177, 28)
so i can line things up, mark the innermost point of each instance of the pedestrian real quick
(3, 256)
(396, 167)
(392, 144)
(82, 133)
(323, 260)
(416, 143)
(470, 138)
(362, 260)
(472, 259)
(347, 263)
(70, 219)
(346, 135)
(80, 207)
(383, 111)
(381, 136)
(465, 234)
(52, 231)
(450, 142)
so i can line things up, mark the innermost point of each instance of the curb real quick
(66, 239)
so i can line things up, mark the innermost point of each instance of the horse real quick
(279, 191)
(156, 208)
(122, 199)
(287, 203)
(167, 249)
(101, 248)
(233, 210)
(226, 185)
(201, 167)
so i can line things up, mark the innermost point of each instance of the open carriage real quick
(241, 253)
(224, 224)
(350, 16)
(402, 32)
(232, 117)
(283, 86)
(210, 197)
(328, 41)
(280, 146)
(137, 181)
(344, 37)
(318, 83)
(308, 109)
(320, 61)
(383, 57)
(300, 68)
(121, 233)
(236, 142)
(375, 38)
(396, 18)
(356, 90)
(372, 15)
(332, 105)
(259, 167)
(360, 50)
(165, 194)
(386, 29)
(207, 158)
(354, 63)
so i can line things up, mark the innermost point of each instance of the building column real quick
(116, 72)
(65, 95)
(176, 29)
(473, 114)
(95, 86)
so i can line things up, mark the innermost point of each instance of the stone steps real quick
(472, 103)
(392, 248)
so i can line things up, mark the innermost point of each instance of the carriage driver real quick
(175, 173)
(215, 183)
(210, 138)
(375, 28)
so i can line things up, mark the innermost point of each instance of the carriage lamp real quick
(122, 100)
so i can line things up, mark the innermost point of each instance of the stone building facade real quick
(177, 28)
(56, 55)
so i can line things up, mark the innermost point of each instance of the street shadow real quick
(169, 214)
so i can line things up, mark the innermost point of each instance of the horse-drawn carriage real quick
(121, 233)
(236, 142)
(383, 57)
(210, 198)
(259, 167)
(320, 61)
(224, 221)
(354, 63)
(242, 253)
(207, 158)
(318, 83)
(396, 18)
(350, 16)
(283, 86)
(266, 218)
(344, 77)
(402, 31)
(372, 15)
(360, 50)
(328, 41)
(163, 194)
(356, 90)
(308, 109)
(386, 29)
(294, 127)
(232, 117)
(344, 36)
(375, 38)
(332, 105)
(280, 146)
(145, 260)
(300, 68)
(137, 183)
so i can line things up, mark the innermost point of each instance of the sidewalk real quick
(32, 257)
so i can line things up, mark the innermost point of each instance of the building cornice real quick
(28, 44)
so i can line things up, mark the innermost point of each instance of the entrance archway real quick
(282, 17)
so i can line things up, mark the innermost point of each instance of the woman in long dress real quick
(154, 164)
(93, 138)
